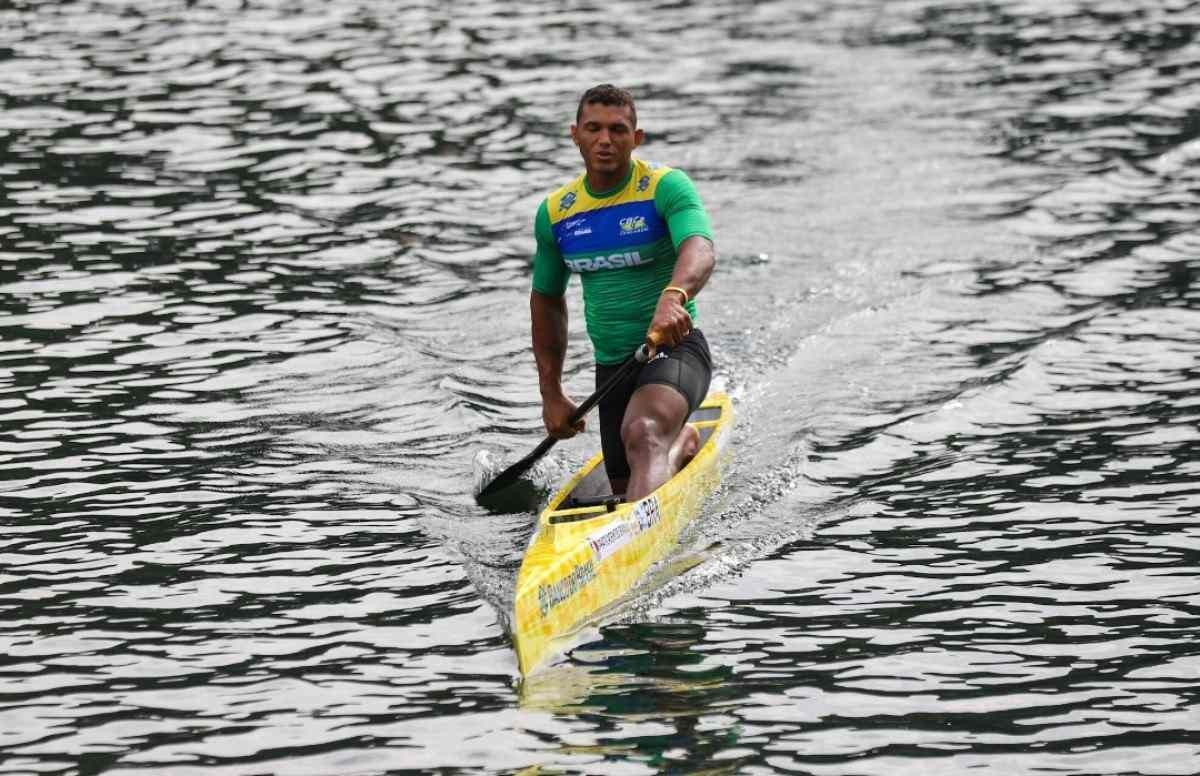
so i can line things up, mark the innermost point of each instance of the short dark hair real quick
(607, 94)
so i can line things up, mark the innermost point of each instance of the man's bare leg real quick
(657, 440)
(683, 450)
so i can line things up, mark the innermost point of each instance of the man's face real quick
(606, 137)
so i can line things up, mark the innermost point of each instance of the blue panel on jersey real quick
(610, 229)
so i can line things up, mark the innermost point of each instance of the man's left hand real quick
(671, 322)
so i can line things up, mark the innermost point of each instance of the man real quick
(640, 240)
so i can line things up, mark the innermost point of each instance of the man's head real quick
(605, 130)
(607, 94)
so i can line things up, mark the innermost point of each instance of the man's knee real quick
(643, 434)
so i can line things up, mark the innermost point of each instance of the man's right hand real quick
(556, 414)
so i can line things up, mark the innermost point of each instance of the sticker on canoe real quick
(608, 540)
(553, 594)
(646, 514)
(611, 538)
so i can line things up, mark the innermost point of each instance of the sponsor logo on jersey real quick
(577, 227)
(634, 225)
(567, 201)
(612, 261)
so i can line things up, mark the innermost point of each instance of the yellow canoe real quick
(590, 549)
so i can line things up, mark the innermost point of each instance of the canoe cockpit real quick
(592, 496)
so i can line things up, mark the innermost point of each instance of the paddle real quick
(498, 492)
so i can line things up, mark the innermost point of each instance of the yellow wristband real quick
(676, 288)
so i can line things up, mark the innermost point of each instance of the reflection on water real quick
(262, 302)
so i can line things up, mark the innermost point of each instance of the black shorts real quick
(687, 367)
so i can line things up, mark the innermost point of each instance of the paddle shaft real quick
(514, 472)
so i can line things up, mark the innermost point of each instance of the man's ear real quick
(639, 137)
(574, 136)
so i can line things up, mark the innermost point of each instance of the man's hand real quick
(556, 414)
(671, 322)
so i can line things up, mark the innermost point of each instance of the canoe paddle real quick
(505, 489)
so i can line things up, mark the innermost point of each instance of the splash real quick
(528, 494)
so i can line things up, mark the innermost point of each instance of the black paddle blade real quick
(508, 491)
(510, 497)
(508, 476)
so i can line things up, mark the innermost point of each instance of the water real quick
(263, 280)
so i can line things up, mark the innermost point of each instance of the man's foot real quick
(684, 448)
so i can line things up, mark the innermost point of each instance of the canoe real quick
(591, 548)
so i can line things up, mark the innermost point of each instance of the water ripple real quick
(263, 274)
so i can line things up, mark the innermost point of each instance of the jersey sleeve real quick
(678, 202)
(550, 274)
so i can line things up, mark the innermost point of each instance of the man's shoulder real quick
(674, 186)
(647, 175)
(562, 200)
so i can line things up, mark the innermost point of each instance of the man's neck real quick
(605, 183)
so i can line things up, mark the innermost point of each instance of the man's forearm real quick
(694, 265)
(548, 316)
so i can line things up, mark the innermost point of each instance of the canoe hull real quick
(584, 559)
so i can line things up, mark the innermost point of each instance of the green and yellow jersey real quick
(623, 243)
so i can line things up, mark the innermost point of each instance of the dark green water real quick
(263, 283)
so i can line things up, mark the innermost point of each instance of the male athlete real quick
(640, 240)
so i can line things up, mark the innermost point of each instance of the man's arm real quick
(678, 202)
(671, 322)
(548, 316)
